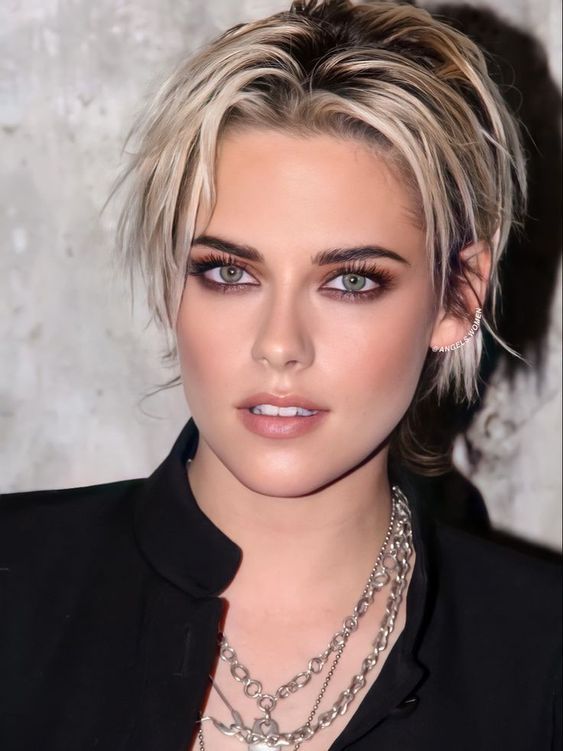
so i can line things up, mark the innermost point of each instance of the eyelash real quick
(382, 277)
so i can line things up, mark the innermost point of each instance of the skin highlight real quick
(309, 512)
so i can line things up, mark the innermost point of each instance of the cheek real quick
(197, 346)
(379, 356)
(206, 331)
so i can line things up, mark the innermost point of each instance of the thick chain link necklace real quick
(391, 565)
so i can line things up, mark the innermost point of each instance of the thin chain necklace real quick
(392, 564)
(258, 725)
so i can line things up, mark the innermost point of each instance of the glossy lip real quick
(287, 400)
(269, 426)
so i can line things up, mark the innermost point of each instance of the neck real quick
(316, 549)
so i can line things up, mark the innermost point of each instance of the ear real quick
(476, 261)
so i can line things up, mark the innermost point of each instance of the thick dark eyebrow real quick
(362, 253)
(243, 251)
(324, 258)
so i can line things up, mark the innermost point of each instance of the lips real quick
(256, 415)
(287, 400)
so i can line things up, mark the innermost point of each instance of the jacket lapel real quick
(181, 645)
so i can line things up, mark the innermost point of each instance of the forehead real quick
(275, 188)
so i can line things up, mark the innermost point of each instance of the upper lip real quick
(285, 400)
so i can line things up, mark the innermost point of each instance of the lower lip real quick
(281, 427)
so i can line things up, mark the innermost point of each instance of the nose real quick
(283, 338)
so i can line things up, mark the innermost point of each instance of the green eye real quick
(231, 274)
(353, 282)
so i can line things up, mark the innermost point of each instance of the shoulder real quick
(59, 550)
(35, 522)
(497, 592)
(69, 502)
(496, 615)
(484, 563)
(62, 497)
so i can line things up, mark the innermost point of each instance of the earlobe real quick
(451, 332)
(460, 342)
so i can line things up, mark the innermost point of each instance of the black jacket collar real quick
(188, 550)
(177, 538)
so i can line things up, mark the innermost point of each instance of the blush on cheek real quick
(400, 360)
(189, 358)
(205, 362)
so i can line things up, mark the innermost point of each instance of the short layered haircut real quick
(387, 74)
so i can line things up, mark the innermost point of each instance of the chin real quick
(281, 486)
(292, 479)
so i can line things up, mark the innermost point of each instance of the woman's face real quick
(307, 288)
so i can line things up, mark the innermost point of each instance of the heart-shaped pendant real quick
(264, 726)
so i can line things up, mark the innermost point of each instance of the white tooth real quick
(273, 411)
(288, 411)
(269, 409)
(266, 409)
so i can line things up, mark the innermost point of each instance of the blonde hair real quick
(387, 73)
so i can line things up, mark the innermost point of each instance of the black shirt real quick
(110, 609)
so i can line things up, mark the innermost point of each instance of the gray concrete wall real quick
(75, 361)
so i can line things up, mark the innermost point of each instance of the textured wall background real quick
(75, 360)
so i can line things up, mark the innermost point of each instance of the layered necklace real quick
(391, 566)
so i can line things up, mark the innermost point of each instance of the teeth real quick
(273, 411)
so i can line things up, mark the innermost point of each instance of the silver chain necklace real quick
(392, 564)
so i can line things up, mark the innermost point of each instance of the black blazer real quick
(109, 617)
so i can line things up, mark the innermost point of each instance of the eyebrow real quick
(324, 258)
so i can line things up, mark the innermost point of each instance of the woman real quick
(318, 202)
